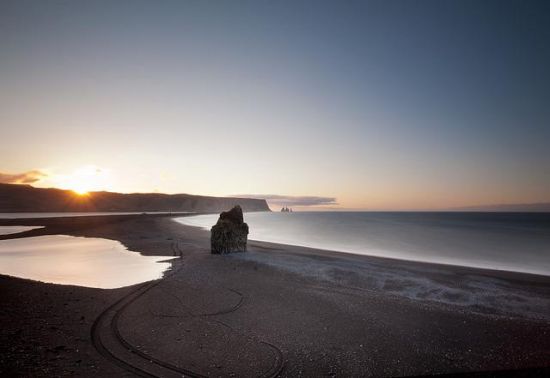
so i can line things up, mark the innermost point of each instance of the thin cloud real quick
(281, 200)
(29, 177)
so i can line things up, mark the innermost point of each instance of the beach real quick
(275, 310)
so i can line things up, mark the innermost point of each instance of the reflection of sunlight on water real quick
(7, 230)
(69, 260)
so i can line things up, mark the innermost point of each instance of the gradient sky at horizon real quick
(379, 104)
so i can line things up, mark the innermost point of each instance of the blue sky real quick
(378, 104)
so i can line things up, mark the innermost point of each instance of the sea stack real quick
(230, 233)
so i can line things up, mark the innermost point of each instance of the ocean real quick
(76, 214)
(518, 242)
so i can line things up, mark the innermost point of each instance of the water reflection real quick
(7, 230)
(69, 260)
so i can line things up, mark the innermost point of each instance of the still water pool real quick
(70, 260)
(7, 230)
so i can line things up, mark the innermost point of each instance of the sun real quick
(85, 180)
(81, 192)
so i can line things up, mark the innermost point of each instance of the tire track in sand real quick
(109, 342)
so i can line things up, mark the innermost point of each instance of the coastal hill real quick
(25, 198)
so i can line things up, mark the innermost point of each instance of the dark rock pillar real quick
(230, 234)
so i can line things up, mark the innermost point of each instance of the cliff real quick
(25, 198)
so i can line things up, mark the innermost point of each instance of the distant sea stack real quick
(230, 233)
(25, 198)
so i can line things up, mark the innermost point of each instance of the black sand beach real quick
(275, 310)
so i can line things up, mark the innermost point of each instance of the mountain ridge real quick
(26, 198)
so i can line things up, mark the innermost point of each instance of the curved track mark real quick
(146, 366)
(230, 310)
(103, 350)
(155, 367)
(278, 365)
(130, 347)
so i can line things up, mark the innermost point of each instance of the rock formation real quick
(230, 233)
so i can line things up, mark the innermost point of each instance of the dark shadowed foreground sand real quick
(275, 310)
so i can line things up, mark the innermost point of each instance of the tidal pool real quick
(70, 260)
(7, 230)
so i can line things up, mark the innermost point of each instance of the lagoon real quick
(70, 260)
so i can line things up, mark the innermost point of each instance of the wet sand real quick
(275, 310)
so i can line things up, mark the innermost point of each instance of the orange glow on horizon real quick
(84, 180)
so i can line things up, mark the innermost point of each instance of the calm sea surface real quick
(74, 214)
(504, 241)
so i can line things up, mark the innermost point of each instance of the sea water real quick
(25, 215)
(517, 242)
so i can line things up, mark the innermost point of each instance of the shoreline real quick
(409, 253)
(442, 277)
(324, 312)
(57, 225)
(465, 269)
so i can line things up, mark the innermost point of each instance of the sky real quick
(377, 105)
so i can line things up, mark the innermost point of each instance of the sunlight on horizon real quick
(84, 180)
(366, 103)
